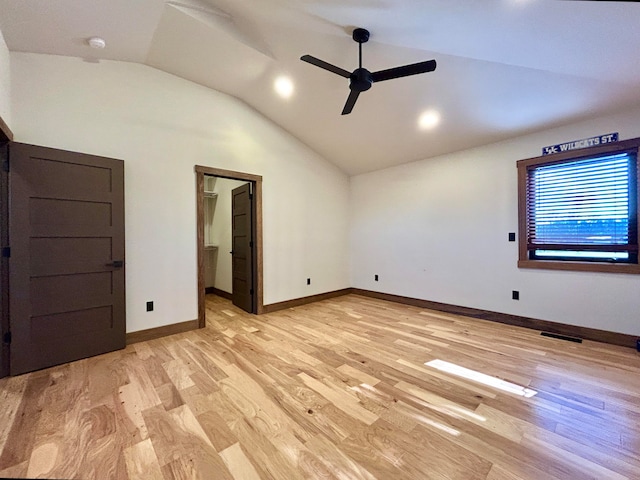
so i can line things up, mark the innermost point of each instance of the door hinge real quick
(250, 244)
(6, 252)
(6, 338)
(251, 292)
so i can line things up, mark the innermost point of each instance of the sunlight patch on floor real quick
(485, 379)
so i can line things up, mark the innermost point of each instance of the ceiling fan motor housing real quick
(360, 80)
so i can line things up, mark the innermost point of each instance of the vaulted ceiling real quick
(505, 67)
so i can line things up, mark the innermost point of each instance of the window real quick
(579, 210)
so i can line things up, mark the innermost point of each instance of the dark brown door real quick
(66, 270)
(4, 261)
(242, 254)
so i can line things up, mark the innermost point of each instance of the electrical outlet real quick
(512, 236)
(515, 295)
(149, 306)
(375, 277)
(308, 281)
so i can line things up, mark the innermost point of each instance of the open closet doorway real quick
(229, 232)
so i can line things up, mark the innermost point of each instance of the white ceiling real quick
(505, 67)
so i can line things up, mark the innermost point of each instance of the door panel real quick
(56, 326)
(64, 293)
(62, 256)
(53, 213)
(67, 301)
(60, 179)
(242, 255)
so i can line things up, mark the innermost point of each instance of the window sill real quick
(580, 266)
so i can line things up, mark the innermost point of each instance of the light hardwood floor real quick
(334, 390)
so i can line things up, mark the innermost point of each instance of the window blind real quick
(583, 208)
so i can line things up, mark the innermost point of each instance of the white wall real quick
(221, 233)
(438, 229)
(162, 126)
(434, 229)
(5, 83)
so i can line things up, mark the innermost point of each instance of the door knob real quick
(115, 264)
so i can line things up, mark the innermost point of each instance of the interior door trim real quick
(256, 180)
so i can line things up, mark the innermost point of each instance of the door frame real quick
(256, 181)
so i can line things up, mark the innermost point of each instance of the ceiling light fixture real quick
(284, 87)
(428, 120)
(96, 42)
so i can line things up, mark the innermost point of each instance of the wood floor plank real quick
(338, 389)
(358, 374)
(238, 463)
(21, 437)
(105, 458)
(16, 471)
(499, 473)
(216, 429)
(345, 402)
(43, 460)
(336, 460)
(589, 468)
(142, 462)
(10, 399)
(169, 396)
(263, 455)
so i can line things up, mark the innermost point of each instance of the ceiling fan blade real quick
(404, 71)
(351, 101)
(327, 66)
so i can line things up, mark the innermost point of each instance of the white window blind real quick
(583, 209)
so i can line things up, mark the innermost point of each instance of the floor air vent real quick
(561, 337)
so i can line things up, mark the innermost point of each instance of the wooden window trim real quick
(524, 165)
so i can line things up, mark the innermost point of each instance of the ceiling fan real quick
(361, 79)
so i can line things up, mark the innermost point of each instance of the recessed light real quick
(96, 42)
(428, 120)
(284, 87)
